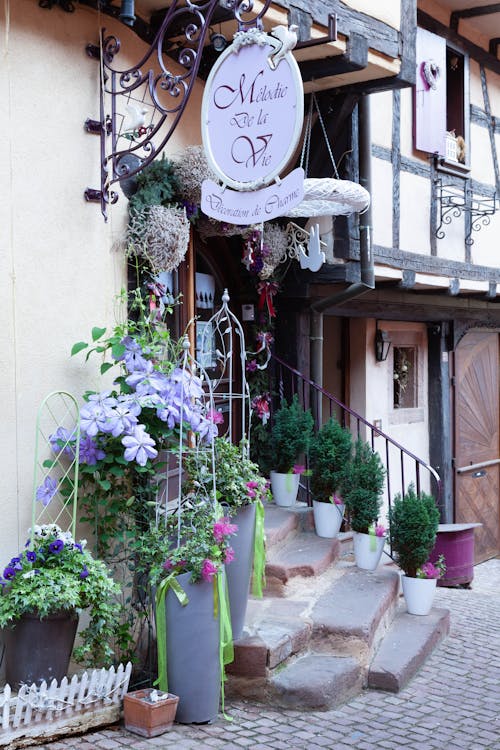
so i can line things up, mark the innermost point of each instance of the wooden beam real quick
(482, 56)
(355, 58)
(482, 10)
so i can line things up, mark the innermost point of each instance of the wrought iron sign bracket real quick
(141, 106)
(453, 202)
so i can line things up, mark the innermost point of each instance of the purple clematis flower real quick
(139, 446)
(90, 453)
(147, 381)
(93, 419)
(104, 399)
(63, 437)
(46, 491)
(120, 420)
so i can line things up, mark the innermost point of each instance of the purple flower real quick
(56, 546)
(132, 357)
(84, 572)
(104, 399)
(47, 490)
(78, 546)
(16, 563)
(31, 555)
(120, 420)
(90, 453)
(93, 419)
(252, 365)
(60, 441)
(139, 446)
(9, 573)
(147, 381)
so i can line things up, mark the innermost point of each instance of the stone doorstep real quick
(281, 524)
(304, 555)
(406, 646)
(355, 611)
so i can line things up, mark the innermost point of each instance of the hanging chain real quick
(323, 128)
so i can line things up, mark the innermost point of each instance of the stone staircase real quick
(325, 629)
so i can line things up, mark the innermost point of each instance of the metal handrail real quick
(299, 380)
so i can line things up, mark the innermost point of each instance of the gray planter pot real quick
(239, 572)
(37, 650)
(193, 664)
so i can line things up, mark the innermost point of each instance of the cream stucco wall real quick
(371, 395)
(381, 119)
(382, 202)
(59, 273)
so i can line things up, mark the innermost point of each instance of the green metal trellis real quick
(57, 448)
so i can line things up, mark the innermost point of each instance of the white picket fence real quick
(35, 714)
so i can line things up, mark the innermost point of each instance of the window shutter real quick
(430, 94)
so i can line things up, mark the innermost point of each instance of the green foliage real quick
(237, 478)
(329, 456)
(54, 574)
(363, 486)
(157, 185)
(414, 521)
(291, 434)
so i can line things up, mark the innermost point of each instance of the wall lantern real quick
(127, 12)
(382, 345)
(218, 41)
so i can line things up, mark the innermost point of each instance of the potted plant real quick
(192, 614)
(43, 590)
(414, 521)
(240, 490)
(328, 458)
(149, 712)
(364, 484)
(290, 435)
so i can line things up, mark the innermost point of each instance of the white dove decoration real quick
(315, 257)
(287, 38)
(134, 119)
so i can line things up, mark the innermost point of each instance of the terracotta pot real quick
(146, 717)
(37, 650)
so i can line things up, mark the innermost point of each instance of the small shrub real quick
(291, 434)
(414, 523)
(364, 484)
(329, 458)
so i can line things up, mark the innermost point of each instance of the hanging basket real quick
(329, 197)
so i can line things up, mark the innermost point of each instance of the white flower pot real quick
(284, 488)
(419, 594)
(368, 550)
(327, 518)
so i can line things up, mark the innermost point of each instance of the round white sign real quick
(252, 114)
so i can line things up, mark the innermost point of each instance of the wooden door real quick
(477, 438)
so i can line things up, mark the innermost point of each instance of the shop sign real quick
(255, 206)
(252, 112)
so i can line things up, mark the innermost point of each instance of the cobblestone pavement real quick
(452, 704)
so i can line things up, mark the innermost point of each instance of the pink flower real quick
(215, 416)
(429, 570)
(260, 405)
(337, 500)
(252, 365)
(223, 528)
(168, 565)
(252, 487)
(298, 469)
(379, 530)
(229, 557)
(208, 570)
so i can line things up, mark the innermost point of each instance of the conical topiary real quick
(413, 523)
(328, 460)
(363, 487)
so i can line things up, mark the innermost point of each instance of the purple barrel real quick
(455, 541)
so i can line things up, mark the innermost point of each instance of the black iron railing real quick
(399, 462)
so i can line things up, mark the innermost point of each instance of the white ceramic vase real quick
(284, 488)
(327, 518)
(368, 550)
(418, 594)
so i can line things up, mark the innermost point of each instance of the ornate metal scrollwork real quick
(454, 201)
(141, 106)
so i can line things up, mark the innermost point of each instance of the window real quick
(441, 103)
(405, 385)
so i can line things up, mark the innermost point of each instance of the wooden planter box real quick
(146, 717)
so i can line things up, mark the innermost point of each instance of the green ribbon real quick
(226, 649)
(373, 538)
(259, 552)
(170, 582)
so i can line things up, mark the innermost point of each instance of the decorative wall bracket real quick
(136, 102)
(453, 202)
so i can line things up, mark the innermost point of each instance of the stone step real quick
(355, 611)
(405, 647)
(281, 524)
(305, 555)
(317, 681)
